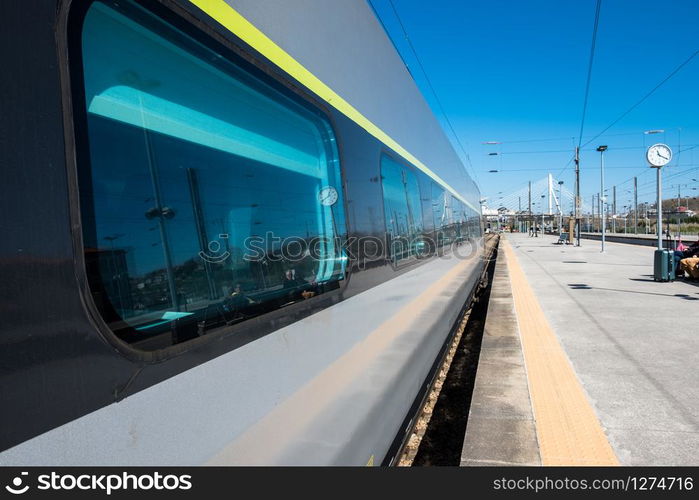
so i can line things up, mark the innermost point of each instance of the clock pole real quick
(658, 160)
(659, 209)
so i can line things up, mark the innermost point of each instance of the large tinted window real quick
(402, 209)
(473, 222)
(439, 213)
(459, 219)
(210, 197)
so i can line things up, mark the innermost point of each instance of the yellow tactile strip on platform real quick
(568, 430)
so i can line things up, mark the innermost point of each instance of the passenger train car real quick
(232, 233)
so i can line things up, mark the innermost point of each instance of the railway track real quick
(438, 429)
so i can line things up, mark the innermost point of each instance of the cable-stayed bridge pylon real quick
(547, 197)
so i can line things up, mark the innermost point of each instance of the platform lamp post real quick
(543, 221)
(679, 220)
(603, 211)
(484, 219)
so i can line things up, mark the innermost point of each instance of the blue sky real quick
(514, 71)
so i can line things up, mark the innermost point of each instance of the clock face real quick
(328, 196)
(659, 155)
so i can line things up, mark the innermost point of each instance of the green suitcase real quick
(664, 265)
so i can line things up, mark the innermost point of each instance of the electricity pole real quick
(614, 209)
(519, 213)
(577, 195)
(679, 224)
(635, 206)
(529, 213)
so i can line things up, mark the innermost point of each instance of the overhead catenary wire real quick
(540, 187)
(511, 199)
(582, 140)
(589, 69)
(566, 150)
(630, 109)
(645, 170)
(554, 139)
(646, 96)
(431, 87)
(591, 59)
(544, 169)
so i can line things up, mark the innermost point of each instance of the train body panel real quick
(324, 380)
(331, 389)
(344, 45)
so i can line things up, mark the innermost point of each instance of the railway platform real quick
(609, 358)
(650, 240)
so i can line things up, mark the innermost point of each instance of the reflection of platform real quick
(631, 344)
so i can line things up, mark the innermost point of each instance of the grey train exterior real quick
(144, 144)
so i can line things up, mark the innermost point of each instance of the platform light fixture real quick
(481, 202)
(603, 214)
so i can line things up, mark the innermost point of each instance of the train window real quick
(464, 232)
(455, 219)
(210, 197)
(402, 208)
(439, 213)
(473, 223)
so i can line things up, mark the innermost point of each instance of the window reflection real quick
(439, 214)
(205, 202)
(402, 209)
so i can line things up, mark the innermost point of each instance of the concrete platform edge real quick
(501, 429)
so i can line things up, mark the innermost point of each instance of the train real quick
(233, 233)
